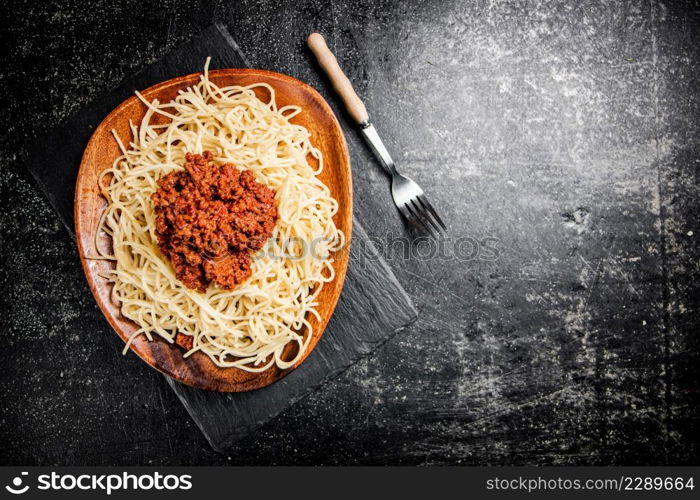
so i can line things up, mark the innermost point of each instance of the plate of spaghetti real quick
(213, 218)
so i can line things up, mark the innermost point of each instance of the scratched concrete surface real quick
(558, 324)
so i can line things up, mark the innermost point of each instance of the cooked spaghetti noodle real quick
(250, 326)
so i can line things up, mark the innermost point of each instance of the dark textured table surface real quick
(558, 323)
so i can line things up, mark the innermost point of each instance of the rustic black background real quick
(563, 134)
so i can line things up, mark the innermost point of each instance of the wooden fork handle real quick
(341, 84)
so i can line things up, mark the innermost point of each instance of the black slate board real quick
(372, 307)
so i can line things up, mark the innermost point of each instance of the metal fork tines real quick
(408, 195)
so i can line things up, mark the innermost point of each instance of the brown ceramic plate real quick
(317, 116)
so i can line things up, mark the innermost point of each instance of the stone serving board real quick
(373, 305)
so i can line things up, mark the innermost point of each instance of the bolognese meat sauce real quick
(209, 218)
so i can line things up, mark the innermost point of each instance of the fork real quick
(408, 196)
